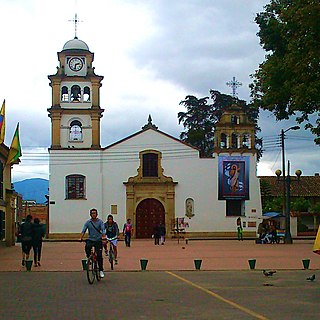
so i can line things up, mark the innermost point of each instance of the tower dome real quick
(75, 44)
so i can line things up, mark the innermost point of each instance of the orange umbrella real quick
(316, 246)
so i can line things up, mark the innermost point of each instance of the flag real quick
(15, 149)
(316, 246)
(2, 122)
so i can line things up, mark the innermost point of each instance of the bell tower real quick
(234, 132)
(75, 112)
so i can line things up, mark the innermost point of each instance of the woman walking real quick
(37, 235)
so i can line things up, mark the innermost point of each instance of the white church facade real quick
(149, 176)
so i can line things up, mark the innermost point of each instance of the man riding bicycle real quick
(97, 233)
(112, 232)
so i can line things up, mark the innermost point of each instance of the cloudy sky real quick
(152, 54)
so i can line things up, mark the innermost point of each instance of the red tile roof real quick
(307, 186)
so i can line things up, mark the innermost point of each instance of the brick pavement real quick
(215, 255)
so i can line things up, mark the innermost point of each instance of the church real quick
(149, 176)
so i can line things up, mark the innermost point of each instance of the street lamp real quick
(286, 185)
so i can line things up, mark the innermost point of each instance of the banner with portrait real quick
(233, 177)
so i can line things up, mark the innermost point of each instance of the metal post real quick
(283, 174)
(288, 238)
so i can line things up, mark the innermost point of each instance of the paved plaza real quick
(170, 288)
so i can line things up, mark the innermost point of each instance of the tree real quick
(200, 119)
(288, 81)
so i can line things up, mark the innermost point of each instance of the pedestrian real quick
(162, 232)
(239, 229)
(112, 233)
(26, 238)
(156, 234)
(127, 232)
(97, 233)
(37, 236)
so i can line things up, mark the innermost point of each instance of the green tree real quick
(200, 118)
(288, 81)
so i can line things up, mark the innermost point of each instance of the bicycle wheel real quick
(111, 258)
(90, 270)
(96, 270)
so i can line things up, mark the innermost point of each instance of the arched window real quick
(150, 165)
(234, 141)
(75, 131)
(86, 94)
(246, 143)
(223, 141)
(235, 119)
(75, 186)
(64, 94)
(75, 93)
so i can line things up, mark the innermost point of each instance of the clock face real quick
(75, 64)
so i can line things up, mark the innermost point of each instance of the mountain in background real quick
(33, 189)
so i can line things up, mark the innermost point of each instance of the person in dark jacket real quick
(26, 238)
(37, 236)
(162, 232)
(156, 234)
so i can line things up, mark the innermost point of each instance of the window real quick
(86, 94)
(75, 187)
(223, 142)
(235, 119)
(234, 141)
(75, 93)
(150, 165)
(235, 208)
(1, 180)
(64, 94)
(246, 141)
(75, 131)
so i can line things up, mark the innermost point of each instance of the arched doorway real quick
(149, 213)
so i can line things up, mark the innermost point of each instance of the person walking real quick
(37, 236)
(26, 238)
(239, 229)
(97, 233)
(112, 233)
(156, 234)
(127, 232)
(162, 233)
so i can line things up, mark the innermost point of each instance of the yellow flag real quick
(2, 122)
(15, 149)
(316, 246)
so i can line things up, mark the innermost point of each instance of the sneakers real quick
(101, 274)
(115, 261)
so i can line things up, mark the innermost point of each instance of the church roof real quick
(75, 44)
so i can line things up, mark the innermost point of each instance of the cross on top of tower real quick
(234, 84)
(76, 21)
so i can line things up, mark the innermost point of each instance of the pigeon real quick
(269, 273)
(311, 278)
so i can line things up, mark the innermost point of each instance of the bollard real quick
(252, 263)
(143, 264)
(306, 263)
(29, 264)
(84, 264)
(197, 263)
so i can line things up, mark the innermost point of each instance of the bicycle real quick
(92, 266)
(110, 251)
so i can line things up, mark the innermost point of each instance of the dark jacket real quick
(26, 231)
(37, 233)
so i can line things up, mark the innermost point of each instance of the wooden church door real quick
(149, 213)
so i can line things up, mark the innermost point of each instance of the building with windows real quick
(149, 176)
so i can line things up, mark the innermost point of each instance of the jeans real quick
(127, 238)
(98, 247)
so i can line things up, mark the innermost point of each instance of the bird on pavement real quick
(269, 273)
(311, 278)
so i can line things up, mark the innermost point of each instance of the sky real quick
(152, 54)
